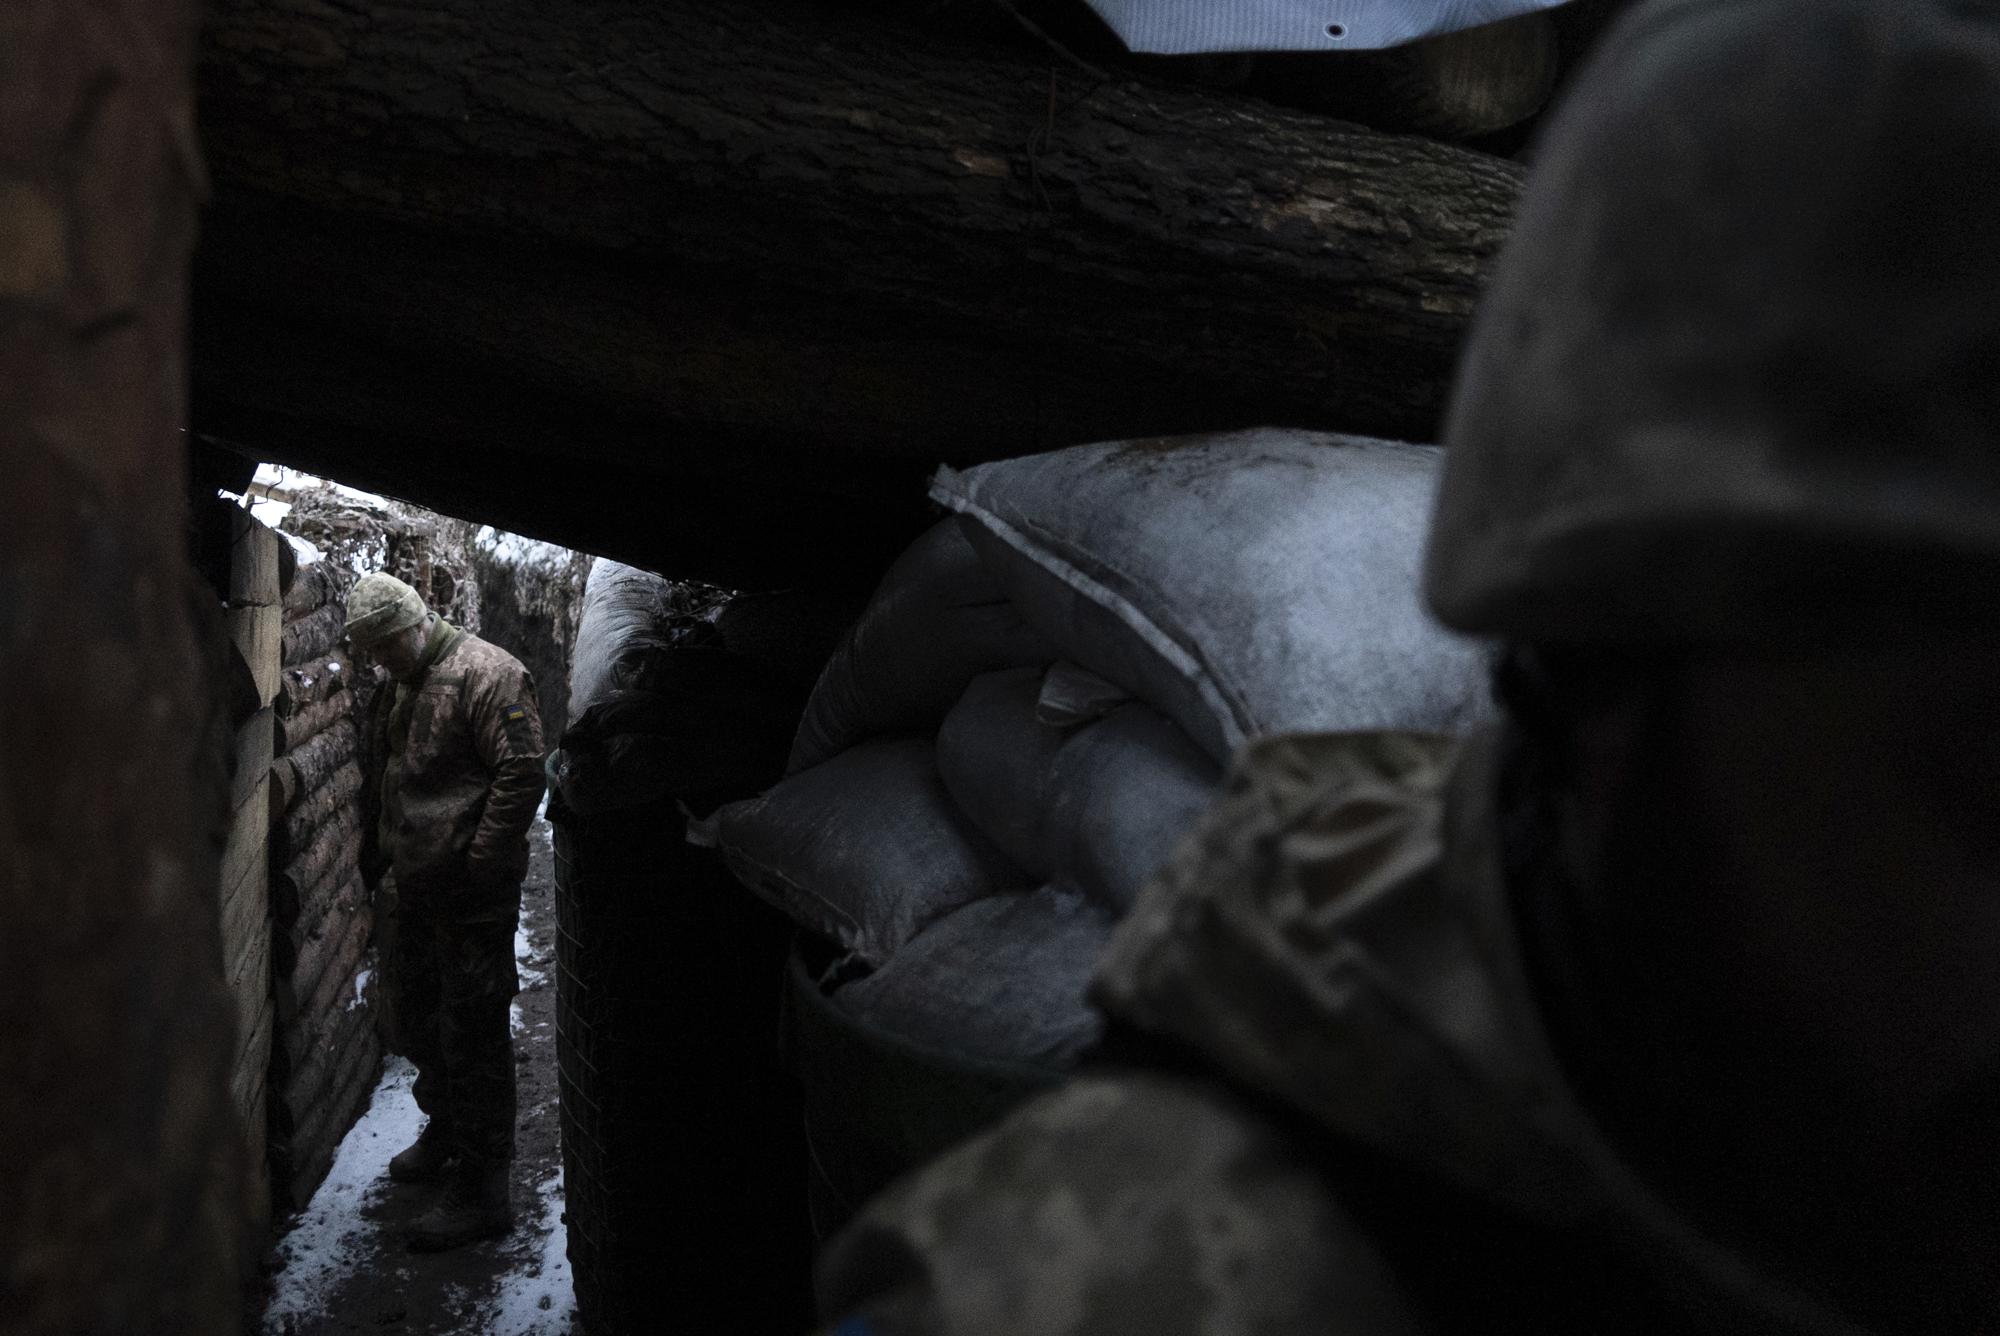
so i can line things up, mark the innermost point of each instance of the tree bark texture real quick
(315, 635)
(123, 1193)
(308, 1008)
(332, 807)
(309, 1151)
(314, 764)
(303, 889)
(301, 726)
(311, 589)
(299, 952)
(750, 271)
(311, 682)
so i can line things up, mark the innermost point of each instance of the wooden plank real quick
(254, 749)
(253, 1066)
(250, 1001)
(288, 568)
(256, 632)
(254, 574)
(244, 906)
(247, 966)
(244, 856)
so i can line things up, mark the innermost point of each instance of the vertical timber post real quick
(124, 1189)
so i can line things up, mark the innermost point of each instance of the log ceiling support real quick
(711, 288)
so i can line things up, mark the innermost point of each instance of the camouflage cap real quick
(1738, 372)
(380, 606)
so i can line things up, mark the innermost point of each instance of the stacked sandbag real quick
(326, 1055)
(1041, 696)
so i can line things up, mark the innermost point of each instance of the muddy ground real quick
(341, 1267)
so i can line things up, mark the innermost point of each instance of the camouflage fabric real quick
(1334, 945)
(452, 976)
(379, 606)
(461, 748)
(1139, 1204)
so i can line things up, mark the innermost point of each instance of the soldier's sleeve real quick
(1120, 1203)
(507, 730)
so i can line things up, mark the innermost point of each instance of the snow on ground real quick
(536, 1297)
(319, 1251)
(334, 1242)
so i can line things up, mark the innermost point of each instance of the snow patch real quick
(319, 1251)
(536, 1295)
(305, 549)
(360, 989)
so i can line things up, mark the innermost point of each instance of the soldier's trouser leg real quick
(414, 982)
(478, 981)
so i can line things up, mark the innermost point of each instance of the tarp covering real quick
(1186, 27)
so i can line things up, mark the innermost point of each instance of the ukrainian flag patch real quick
(520, 732)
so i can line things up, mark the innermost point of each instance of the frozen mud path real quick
(343, 1267)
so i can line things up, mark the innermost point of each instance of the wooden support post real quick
(123, 1201)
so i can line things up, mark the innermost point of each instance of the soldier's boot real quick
(423, 1160)
(475, 1205)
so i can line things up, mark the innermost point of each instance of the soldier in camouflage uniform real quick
(1671, 1005)
(460, 747)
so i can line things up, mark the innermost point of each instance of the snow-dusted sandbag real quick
(937, 620)
(623, 632)
(1097, 807)
(866, 848)
(1186, 27)
(1254, 582)
(1001, 979)
(658, 705)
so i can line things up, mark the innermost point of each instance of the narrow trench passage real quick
(342, 1267)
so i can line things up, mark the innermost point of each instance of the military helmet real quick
(1738, 372)
(379, 606)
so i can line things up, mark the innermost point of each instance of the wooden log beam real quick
(331, 813)
(296, 986)
(291, 947)
(307, 722)
(314, 1145)
(313, 636)
(759, 267)
(315, 1077)
(314, 764)
(121, 1201)
(301, 685)
(315, 877)
(284, 787)
(312, 589)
